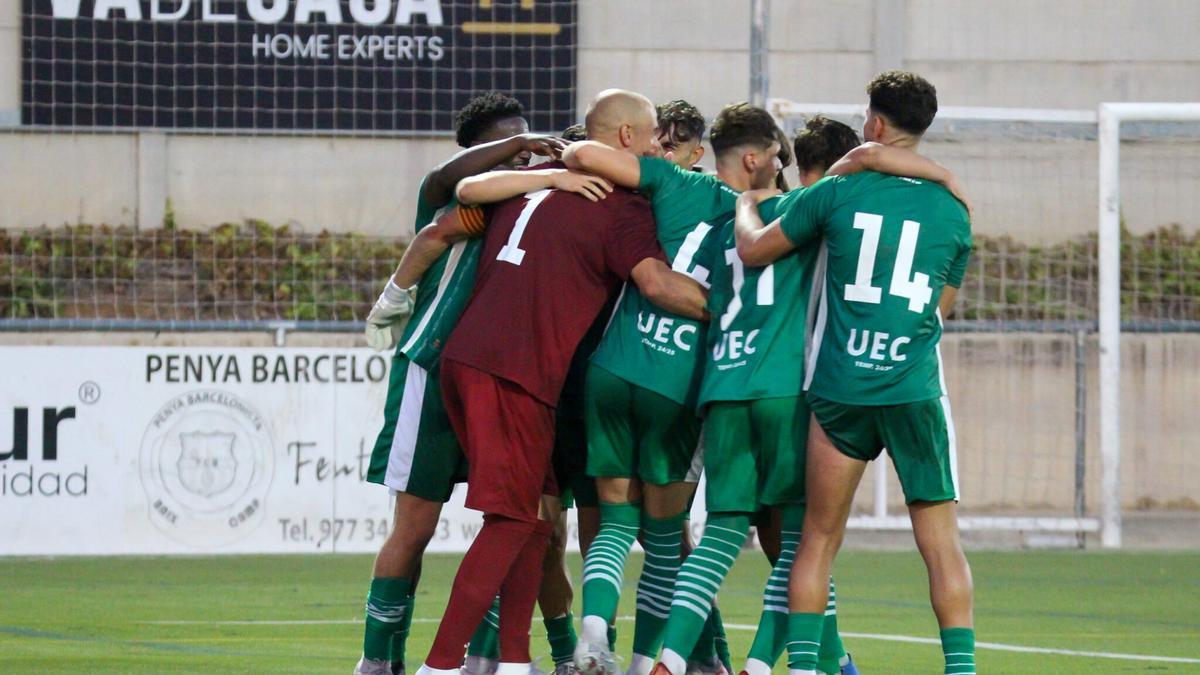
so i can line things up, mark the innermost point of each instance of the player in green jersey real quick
(416, 454)
(897, 248)
(756, 419)
(642, 428)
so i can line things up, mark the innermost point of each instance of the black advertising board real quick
(335, 65)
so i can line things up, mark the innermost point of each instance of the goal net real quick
(1023, 350)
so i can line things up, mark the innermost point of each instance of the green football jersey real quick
(759, 317)
(648, 346)
(442, 294)
(892, 244)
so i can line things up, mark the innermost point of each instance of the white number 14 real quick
(916, 289)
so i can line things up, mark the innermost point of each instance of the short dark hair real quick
(906, 99)
(822, 142)
(575, 132)
(741, 124)
(682, 120)
(481, 112)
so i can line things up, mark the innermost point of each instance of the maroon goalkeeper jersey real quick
(550, 259)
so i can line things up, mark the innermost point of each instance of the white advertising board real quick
(124, 450)
(136, 450)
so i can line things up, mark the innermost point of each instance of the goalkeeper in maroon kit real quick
(550, 261)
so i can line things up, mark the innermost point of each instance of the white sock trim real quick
(594, 629)
(757, 667)
(426, 670)
(513, 668)
(674, 662)
(640, 664)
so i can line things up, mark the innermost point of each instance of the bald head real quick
(624, 120)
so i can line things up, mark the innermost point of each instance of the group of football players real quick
(597, 330)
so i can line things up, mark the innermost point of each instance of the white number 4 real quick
(916, 289)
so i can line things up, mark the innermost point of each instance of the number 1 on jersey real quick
(512, 252)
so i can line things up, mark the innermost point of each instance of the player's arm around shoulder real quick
(597, 158)
(675, 292)
(896, 161)
(497, 186)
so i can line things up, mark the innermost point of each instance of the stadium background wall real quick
(1010, 53)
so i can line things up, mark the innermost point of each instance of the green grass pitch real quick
(159, 615)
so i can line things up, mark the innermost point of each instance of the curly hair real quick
(822, 142)
(906, 99)
(681, 120)
(575, 132)
(481, 112)
(741, 124)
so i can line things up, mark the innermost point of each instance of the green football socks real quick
(388, 612)
(560, 633)
(700, 578)
(662, 538)
(485, 643)
(804, 642)
(958, 646)
(771, 636)
(604, 567)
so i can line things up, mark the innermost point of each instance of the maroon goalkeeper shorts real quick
(508, 438)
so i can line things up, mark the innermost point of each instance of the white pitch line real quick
(994, 646)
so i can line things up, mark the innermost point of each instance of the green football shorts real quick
(416, 452)
(636, 433)
(754, 453)
(919, 437)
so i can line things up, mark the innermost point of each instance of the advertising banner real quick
(345, 65)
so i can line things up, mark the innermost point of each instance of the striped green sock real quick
(400, 637)
(699, 579)
(485, 642)
(958, 646)
(662, 538)
(604, 567)
(388, 601)
(832, 649)
(804, 641)
(771, 637)
(705, 649)
(560, 632)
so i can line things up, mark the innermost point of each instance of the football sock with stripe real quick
(604, 567)
(388, 603)
(662, 537)
(829, 658)
(560, 633)
(485, 643)
(804, 642)
(958, 646)
(771, 636)
(700, 578)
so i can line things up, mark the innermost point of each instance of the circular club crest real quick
(206, 464)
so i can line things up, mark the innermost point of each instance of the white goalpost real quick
(1111, 116)
(1040, 165)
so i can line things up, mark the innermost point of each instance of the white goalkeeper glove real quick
(389, 316)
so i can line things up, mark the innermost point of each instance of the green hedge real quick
(255, 271)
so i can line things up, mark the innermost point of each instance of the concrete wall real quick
(1065, 54)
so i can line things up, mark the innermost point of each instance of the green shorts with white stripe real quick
(416, 452)
(918, 436)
